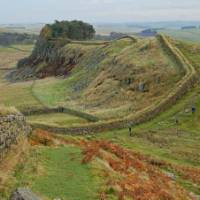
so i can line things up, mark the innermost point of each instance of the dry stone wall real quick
(11, 128)
(24, 194)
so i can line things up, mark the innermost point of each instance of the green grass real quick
(51, 91)
(7, 110)
(191, 51)
(96, 82)
(192, 35)
(57, 119)
(61, 91)
(18, 95)
(62, 175)
(162, 138)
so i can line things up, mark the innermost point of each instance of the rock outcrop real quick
(47, 58)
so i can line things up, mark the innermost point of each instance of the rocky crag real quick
(47, 58)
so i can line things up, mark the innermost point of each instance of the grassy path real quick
(122, 171)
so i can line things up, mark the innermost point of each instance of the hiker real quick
(130, 131)
(177, 123)
(61, 109)
(193, 109)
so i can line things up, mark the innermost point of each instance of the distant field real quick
(30, 29)
(10, 55)
(106, 30)
(57, 119)
(16, 94)
(192, 35)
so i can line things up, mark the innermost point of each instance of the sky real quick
(34, 11)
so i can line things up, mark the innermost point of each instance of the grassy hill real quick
(110, 81)
(106, 75)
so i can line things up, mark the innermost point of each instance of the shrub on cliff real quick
(76, 30)
(45, 56)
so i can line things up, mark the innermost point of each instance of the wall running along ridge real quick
(181, 88)
(11, 128)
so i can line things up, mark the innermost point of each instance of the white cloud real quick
(98, 10)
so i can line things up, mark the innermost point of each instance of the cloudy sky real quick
(20, 11)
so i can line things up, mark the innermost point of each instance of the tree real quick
(76, 30)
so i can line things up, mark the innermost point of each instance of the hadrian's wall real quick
(187, 82)
(12, 126)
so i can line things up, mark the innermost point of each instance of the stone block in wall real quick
(24, 194)
(11, 127)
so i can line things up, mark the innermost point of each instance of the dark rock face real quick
(47, 58)
(23, 194)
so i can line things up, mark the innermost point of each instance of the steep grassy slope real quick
(136, 74)
(160, 138)
(191, 51)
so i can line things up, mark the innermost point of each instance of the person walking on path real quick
(130, 131)
(193, 109)
(177, 124)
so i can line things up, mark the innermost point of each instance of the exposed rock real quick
(23, 194)
(171, 175)
(142, 87)
(11, 127)
(47, 58)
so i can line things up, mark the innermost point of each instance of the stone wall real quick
(24, 194)
(187, 82)
(12, 126)
(46, 110)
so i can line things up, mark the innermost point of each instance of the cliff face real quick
(12, 127)
(47, 58)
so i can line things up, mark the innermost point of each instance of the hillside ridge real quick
(182, 87)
